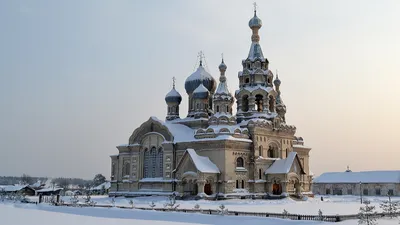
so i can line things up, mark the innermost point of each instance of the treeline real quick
(59, 182)
(11, 180)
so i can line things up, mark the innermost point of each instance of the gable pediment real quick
(150, 126)
(296, 167)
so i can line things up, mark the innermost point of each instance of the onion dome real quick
(173, 97)
(201, 92)
(277, 82)
(255, 22)
(200, 76)
(222, 66)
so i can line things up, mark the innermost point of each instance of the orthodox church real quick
(212, 151)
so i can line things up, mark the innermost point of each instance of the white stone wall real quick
(370, 189)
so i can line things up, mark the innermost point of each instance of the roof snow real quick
(105, 185)
(12, 188)
(202, 163)
(201, 89)
(173, 93)
(255, 52)
(222, 88)
(49, 189)
(200, 74)
(282, 166)
(253, 88)
(357, 177)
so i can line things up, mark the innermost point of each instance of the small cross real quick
(173, 82)
(255, 6)
(201, 57)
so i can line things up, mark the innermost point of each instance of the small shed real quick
(18, 189)
(49, 191)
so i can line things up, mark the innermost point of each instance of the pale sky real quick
(77, 77)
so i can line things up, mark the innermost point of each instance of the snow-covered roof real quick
(106, 185)
(282, 166)
(255, 52)
(201, 89)
(183, 133)
(12, 188)
(300, 146)
(49, 189)
(253, 88)
(199, 74)
(202, 163)
(36, 184)
(173, 93)
(222, 88)
(357, 177)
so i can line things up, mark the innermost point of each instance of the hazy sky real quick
(77, 77)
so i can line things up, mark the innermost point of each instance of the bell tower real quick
(256, 96)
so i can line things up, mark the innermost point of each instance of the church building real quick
(213, 151)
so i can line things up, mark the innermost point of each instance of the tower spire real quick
(255, 8)
(173, 82)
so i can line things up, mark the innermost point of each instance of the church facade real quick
(212, 151)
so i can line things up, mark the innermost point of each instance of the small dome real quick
(255, 21)
(277, 82)
(222, 66)
(173, 97)
(201, 92)
(194, 80)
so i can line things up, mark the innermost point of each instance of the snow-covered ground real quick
(332, 205)
(22, 214)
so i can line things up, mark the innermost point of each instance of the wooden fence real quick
(326, 218)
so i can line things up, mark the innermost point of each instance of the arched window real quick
(287, 152)
(260, 150)
(259, 174)
(237, 183)
(198, 106)
(153, 163)
(126, 169)
(217, 108)
(245, 103)
(247, 80)
(242, 183)
(227, 109)
(270, 152)
(239, 162)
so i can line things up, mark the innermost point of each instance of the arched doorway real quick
(207, 189)
(276, 188)
(297, 187)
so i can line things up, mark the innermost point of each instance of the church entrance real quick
(207, 189)
(276, 189)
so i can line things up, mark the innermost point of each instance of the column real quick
(266, 103)
(252, 101)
